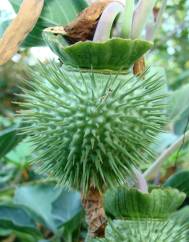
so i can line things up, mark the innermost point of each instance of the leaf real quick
(68, 213)
(24, 22)
(114, 54)
(163, 141)
(39, 198)
(8, 140)
(5, 232)
(55, 12)
(180, 180)
(6, 194)
(21, 153)
(181, 123)
(54, 206)
(66, 207)
(179, 102)
(15, 217)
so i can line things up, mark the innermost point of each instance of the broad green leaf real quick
(5, 232)
(68, 213)
(6, 194)
(179, 106)
(25, 237)
(131, 203)
(54, 13)
(9, 138)
(180, 180)
(179, 109)
(163, 141)
(181, 123)
(54, 206)
(39, 198)
(7, 173)
(66, 207)
(21, 154)
(17, 218)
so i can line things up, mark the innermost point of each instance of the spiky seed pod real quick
(144, 231)
(90, 128)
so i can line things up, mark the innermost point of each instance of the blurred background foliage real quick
(60, 216)
(171, 43)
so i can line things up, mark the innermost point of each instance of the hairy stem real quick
(95, 215)
(152, 171)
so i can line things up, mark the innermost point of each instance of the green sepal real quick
(131, 203)
(114, 54)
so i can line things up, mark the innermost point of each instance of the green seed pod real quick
(144, 231)
(89, 126)
(131, 203)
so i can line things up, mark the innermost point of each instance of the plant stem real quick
(105, 23)
(95, 215)
(152, 171)
(152, 28)
(141, 14)
(127, 19)
(159, 18)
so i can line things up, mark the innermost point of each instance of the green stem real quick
(127, 19)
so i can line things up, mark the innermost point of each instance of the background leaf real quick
(179, 108)
(17, 218)
(39, 198)
(54, 206)
(8, 140)
(180, 180)
(55, 12)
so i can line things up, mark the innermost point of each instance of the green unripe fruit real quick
(90, 128)
(144, 231)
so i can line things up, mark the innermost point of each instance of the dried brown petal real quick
(83, 27)
(20, 27)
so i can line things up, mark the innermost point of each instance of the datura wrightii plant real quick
(92, 117)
